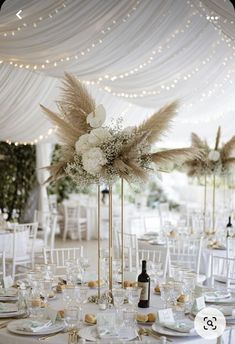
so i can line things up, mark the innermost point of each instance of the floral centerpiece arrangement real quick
(93, 153)
(217, 161)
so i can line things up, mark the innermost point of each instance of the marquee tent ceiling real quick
(134, 55)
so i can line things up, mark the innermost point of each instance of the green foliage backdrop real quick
(17, 177)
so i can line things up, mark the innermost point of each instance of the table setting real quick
(77, 313)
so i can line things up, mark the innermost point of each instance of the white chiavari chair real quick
(131, 251)
(22, 252)
(46, 236)
(75, 221)
(59, 256)
(186, 253)
(157, 257)
(223, 270)
(3, 266)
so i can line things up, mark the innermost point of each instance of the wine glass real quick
(84, 263)
(118, 296)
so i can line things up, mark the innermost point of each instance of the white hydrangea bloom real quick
(82, 144)
(93, 160)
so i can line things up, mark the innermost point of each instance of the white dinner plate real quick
(90, 333)
(12, 314)
(167, 332)
(54, 328)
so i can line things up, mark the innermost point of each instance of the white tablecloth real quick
(62, 338)
(6, 243)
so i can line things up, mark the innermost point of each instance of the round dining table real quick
(7, 337)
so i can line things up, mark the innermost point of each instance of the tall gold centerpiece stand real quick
(110, 237)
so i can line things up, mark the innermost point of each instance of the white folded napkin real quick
(216, 295)
(8, 307)
(180, 326)
(34, 325)
(107, 333)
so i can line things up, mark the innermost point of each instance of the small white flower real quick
(93, 160)
(97, 118)
(214, 155)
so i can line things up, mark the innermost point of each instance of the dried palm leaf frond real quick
(228, 148)
(178, 156)
(158, 123)
(68, 134)
(76, 103)
(197, 142)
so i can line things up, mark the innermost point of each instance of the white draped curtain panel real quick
(134, 55)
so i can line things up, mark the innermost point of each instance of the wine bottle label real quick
(144, 291)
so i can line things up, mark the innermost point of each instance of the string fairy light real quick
(104, 32)
(38, 139)
(214, 18)
(35, 23)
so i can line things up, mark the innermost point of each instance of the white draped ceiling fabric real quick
(134, 55)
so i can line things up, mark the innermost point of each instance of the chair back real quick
(156, 256)
(52, 199)
(48, 223)
(59, 256)
(131, 252)
(31, 229)
(223, 270)
(185, 252)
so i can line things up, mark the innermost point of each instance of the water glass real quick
(133, 295)
(129, 317)
(71, 318)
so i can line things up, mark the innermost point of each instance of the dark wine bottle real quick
(229, 226)
(144, 283)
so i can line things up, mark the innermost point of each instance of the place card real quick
(198, 304)
(7, 282)
(166, 316)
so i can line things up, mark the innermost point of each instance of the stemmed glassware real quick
(118, 297)
(84, 263)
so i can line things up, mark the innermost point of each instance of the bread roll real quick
(183, 298)
(157, 289)
(90, 318)
(151, 317)
(60, 288)
(142, 317)
(92, 284)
